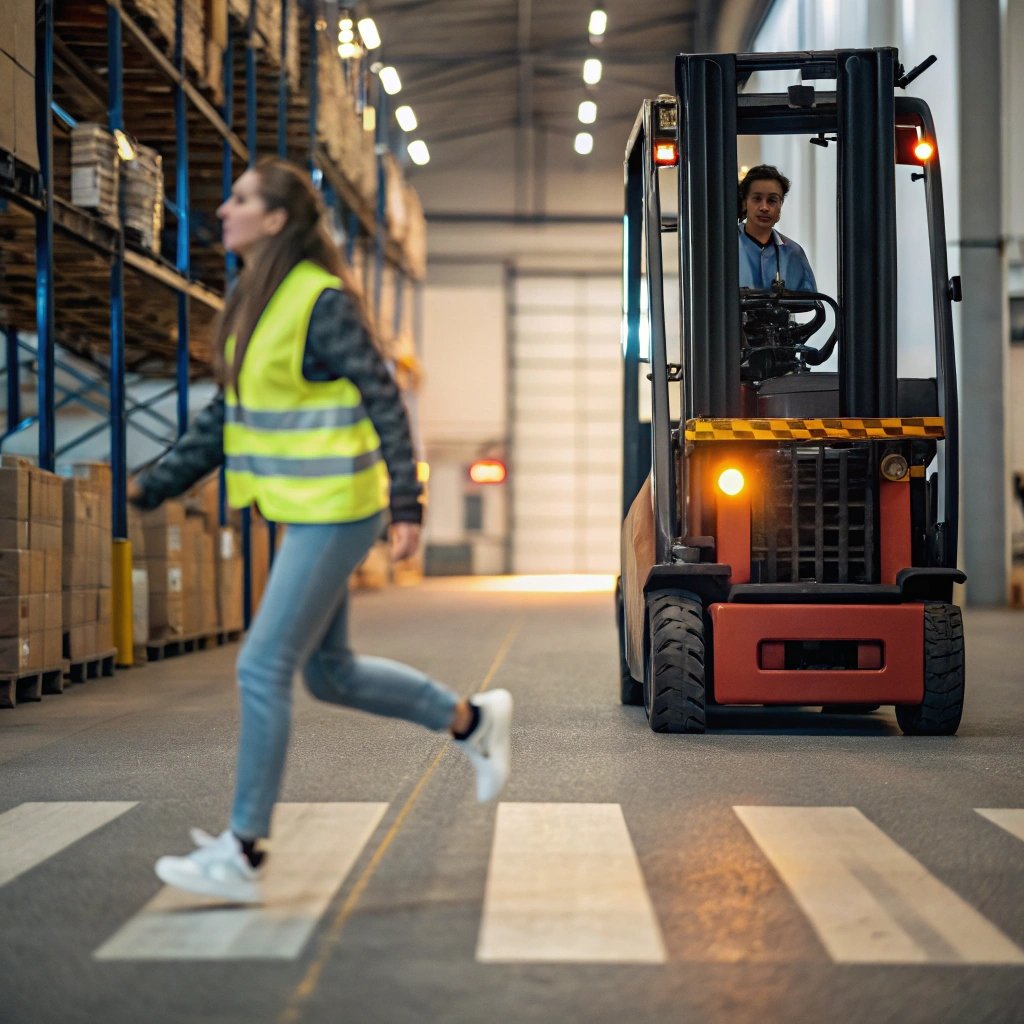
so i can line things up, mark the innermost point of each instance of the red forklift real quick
(789, 533)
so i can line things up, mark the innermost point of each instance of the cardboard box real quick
(14, 615)
(16, 655)
(25, 147)
(165, 577)
(78, 606)
(82, 501)
(104, 605)
(53, 612)
(53, 649)
(53, 571)
(164, 541)
(14, 533)
(36, 613)
(16, 576)
(8, 131)
(166, 615)
(23, 15)
(14, 491)
(38, 570)
(104, 636)
(136, 534)
(43, 536)
(229, 594)
(80, 642)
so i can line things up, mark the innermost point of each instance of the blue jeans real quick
(302, 624)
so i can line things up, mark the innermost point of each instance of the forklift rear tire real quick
(939, 713)
(674, 693)
(630, 691)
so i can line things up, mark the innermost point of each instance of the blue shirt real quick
(758, 266)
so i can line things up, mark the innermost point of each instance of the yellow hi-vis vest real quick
(302, 451)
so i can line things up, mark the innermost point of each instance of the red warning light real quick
(488, 471)
(666, 154)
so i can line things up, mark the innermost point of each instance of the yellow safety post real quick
(122, 601)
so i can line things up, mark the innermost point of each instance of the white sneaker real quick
(487, 746)
(218, 868)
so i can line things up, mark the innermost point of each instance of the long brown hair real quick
(305, 236)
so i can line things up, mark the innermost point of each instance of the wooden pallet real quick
(81, 669)
(30, 686)
(173, 646)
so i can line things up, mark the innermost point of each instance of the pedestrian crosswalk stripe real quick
(1009, 818)
(868, 899)
(564, 886)
(312, 850)
(32, 832)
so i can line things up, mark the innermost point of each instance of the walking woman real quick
(312, 429)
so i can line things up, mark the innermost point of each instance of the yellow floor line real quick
(293, 1011)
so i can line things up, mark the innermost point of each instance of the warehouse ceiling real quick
(496, 86)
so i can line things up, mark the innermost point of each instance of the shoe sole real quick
(242, 893)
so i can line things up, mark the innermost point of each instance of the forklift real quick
(789, 534)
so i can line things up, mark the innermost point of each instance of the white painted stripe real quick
(313, 848)
(565, 886)
(32, 832)
(1010, 818)
(869, 900)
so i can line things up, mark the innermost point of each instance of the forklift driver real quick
(766, 255)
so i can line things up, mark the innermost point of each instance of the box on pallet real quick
(163, 529)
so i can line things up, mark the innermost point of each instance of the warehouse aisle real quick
(786, 866)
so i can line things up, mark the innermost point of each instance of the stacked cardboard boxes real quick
(230, 615)
(199, 580)
(88, 558)
(30, 560)
(144, 196)
(95, 168)
(163, 531)
(18, 80)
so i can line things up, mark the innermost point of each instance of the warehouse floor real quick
(692, 878)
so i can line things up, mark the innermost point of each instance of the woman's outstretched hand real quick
(404, 539)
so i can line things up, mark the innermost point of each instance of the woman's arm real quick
(199, 450)
(338, 345)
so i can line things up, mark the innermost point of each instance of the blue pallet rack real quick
(198, 124)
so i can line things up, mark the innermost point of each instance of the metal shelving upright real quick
(200, 142)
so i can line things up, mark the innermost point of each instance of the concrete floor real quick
(398, 940)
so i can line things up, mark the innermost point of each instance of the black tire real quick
(940, 711)
(630, 691)
(674, 693)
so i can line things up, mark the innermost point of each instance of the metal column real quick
(13, 380)
(182, 200)
(121, 575)
(984, 314)
(44, 235)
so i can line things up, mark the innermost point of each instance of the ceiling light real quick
(369, 34)
(346, 51)
(418, 152)
(390, 80)
(587, 112)
(346, 35)
(592, 71)
(406, 118)
(345, 23)
(598, 21)
(584, 143)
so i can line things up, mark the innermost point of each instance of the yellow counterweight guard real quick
(847, 429)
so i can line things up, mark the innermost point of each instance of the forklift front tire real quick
(939, 713)
(674, 690)
(630, 691)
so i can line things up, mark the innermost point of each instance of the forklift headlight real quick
(894, 467)
(730, 481)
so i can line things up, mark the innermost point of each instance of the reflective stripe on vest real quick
(302, 451)
(267, 465)
(294, 419)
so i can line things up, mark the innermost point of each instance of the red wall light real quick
(488, 471)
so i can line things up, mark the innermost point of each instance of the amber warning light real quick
(924, 150)
(488, 471)
(666, 154)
